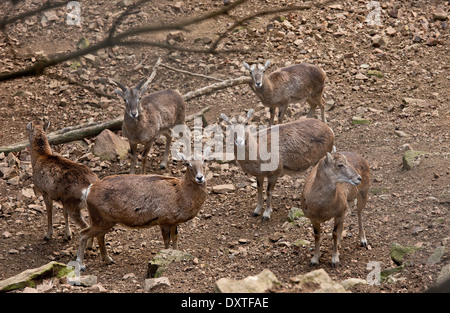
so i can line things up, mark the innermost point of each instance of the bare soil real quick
(406, 207)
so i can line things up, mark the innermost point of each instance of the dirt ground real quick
(408, 107)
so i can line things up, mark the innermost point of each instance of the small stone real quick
(352, 282)
(124, 3)
(152, 283)
(44, 287)
(440, 15)
(432, 42)
(223, 188)
(417, 230)
(14, 181)
(30, 290)
(275, 237)
(391, 31)
(128, 276)
(298, 42)
(302, 242)
(359, 120)
(28, 192)
(375, 73)
(6, 235)
(414, 101)
(98, 288)
(400, 133)
(437, 255)
(378, 41)
(361, 76)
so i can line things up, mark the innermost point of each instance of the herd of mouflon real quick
(145, 200)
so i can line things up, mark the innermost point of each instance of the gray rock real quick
(252, 284)
(166, 256)
(412, 159)
(437, 255)
(294, 214)
(398, 252)
(444, 274)
(388, 274)
(30, 277)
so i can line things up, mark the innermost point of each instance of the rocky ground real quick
(386, 94)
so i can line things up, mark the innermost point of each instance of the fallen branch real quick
(79, 132)
(91, 129)
(71, 135)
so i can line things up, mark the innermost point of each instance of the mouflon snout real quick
(357, 180)
(199, 178)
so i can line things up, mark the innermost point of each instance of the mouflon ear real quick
(46, 124)
(121, 86)
(119, 92)
(142, 86)
(182, 157)
(250, 114)
(329, 158)
(266, 65)
(30, 126)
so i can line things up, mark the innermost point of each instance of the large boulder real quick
(31, 277)
(109, 146)
(412, 159)
(398, 252)
(318, 281)
(252, 284)
(166, 256)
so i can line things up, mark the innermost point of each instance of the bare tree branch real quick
(153, 74)
(130, 10)
(179, 25)
(38, 68)
(47, 6)
(122, 39)
(90, 128)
